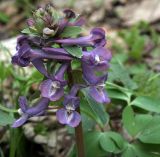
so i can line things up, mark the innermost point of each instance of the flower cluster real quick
(44, 45)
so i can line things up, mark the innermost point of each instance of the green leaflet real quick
(75, 51)
(147, 103)
(135, 124)
(120, 74)
(71, 31)
(6, 118)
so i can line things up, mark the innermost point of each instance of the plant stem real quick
(78, 129)
(79, 138)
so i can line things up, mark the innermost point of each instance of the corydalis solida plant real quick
(51, 43)
(37, 47)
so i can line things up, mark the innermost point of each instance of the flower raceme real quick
(45, 49)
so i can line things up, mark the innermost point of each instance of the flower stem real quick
(79, 138)
(78, 129)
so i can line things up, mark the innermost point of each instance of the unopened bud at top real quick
(30, 22)
(48, 31)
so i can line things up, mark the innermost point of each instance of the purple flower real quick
(96, 84)
(96, 38)
(28, 112)
(98, 58)
(68, 115)
(26, 54)
(52, 88)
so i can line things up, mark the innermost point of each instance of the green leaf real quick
(92, 145)
(26, 31)
(129, 120)
(75, 64)
(120, 74)
(75, 51)
(107, 144)
(147, 103)
(137, 48)
(135, 124)
(116, 94)
(71, 31)
(129, 152)
(141, 122)
(6, 118)
(29, 31)
(112, 142)
(151, 133)
(100, 144)
(93, 109)
(141, 150)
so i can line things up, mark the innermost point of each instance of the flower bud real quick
(30, 22)
(69, 13)
(47, 31)
(40, 12)
(50, 8)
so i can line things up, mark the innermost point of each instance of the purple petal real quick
(39, 108)
(38, 63)
(75, 41)
(90, 76)
(48, 92)
(45, 88)
(37, 53)
(59, 93)
(99, 95)
(60, 73)
(55, 51)
(75, 88)
(73, 119)
(103, 53)
(71, 100)
(96, 38)
(79, 22)
(103, 66)
(23, 103)
(21, 39)
(88, 73)
(61, 25)
(16, 60)
(19, 122)
(30, 22)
